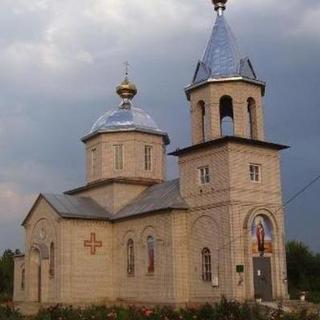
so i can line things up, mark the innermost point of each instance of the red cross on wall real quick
(93, 244)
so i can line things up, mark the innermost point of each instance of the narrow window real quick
(204, 175)
(23, 278)
(130, 257)
(150, 244)
(52, 258)
(94, 161)
(255, 172)
(203, 122)
(147, 158)
(252, 123)
(118, 156)
(206, 265)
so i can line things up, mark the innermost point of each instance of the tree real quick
(303, 270)
(6, 272)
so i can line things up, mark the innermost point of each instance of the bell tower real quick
(230, 177)
(225, 93)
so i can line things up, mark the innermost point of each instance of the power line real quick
(294, 197)
(300, 192)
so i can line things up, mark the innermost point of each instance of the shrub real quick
(224, 310)
(7, 313)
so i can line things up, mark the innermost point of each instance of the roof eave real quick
(193, 86)
(150, 212)
(78, 217)
(226, 139)
(116, 130)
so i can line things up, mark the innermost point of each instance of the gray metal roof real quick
(76, 207)
(131, 119)
(161, 196)
(222, 57)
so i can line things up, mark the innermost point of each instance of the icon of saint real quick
(260, 234)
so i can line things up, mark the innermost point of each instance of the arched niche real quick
(226, 116)
(261, 235)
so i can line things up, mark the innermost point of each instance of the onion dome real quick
(126, 90)
(126, 117)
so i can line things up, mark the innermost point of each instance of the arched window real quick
(252, 125)
(226, 116)
(206, 265)
(23, 278)
(150, 245)
(52, 258)
(130, 257)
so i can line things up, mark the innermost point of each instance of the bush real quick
(224, 310)
(7, 313)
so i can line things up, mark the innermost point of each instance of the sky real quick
(60, 61)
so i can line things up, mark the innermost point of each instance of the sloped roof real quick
(76, 207)
(162, 196)
(222, 57)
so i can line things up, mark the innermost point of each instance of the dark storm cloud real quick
(60, 63)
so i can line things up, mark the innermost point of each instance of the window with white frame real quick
(147, 158)
(206, 265)
(93, 161)
(118, 156)
(204, 175)
(255, 172)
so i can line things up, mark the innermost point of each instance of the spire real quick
(126, 90)
(222, 57)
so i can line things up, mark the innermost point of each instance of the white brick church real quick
(130, 236)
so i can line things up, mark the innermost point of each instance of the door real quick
(35, 275)
(262, 278)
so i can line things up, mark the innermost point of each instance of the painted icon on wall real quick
(261, 235)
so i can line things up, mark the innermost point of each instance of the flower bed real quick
(225, 310)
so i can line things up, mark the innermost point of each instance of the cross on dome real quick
(126, 90)
(127, 65)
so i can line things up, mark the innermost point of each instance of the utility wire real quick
(294, 197)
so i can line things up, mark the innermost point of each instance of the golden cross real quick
(127, 65)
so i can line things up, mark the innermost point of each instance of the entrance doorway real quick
(35, 275)
(262, 278)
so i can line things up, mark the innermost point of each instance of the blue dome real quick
(132, 119)
(122, 119)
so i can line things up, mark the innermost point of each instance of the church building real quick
(131, 236)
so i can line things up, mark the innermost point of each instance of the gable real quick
(40, 206)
